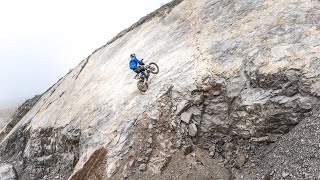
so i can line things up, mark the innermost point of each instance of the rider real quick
(134, 65)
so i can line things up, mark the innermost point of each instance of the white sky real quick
(40, 40)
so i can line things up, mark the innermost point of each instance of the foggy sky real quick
(41, 40)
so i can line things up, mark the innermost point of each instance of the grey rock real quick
(182, 106)
(307, 103)
(194, 110)
(176, 94)
(285, 174)
(186, 117)
(206, 88)
(154, 114)
(131, 163)
(216, 93)
(7, 172)
(193, 130)
(212, 150)
(158, 164)
(198, 99)
(212, 153)
(143, 167)
(149, 151)
(174, 123)
(235, 86)
(240, 160)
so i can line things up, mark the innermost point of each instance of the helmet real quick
(132, 55)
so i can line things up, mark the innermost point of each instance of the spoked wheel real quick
(142, 86)
(154, 69)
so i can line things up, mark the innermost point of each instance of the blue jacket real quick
(134, 63)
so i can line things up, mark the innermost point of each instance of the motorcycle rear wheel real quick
(142, 86)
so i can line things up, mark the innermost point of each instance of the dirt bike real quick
(143, 80)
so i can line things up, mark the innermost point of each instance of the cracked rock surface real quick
(236, 98)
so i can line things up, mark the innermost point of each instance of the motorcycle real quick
(143, 79)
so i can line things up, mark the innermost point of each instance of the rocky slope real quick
(17, 115)
(295, 156)
(5, 115)
(235, 77)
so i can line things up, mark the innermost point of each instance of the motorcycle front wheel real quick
(154, 69)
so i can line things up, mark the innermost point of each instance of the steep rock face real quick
(234, 77)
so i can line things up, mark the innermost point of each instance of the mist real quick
(40, 41)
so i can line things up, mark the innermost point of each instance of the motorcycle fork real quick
(146, 78)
